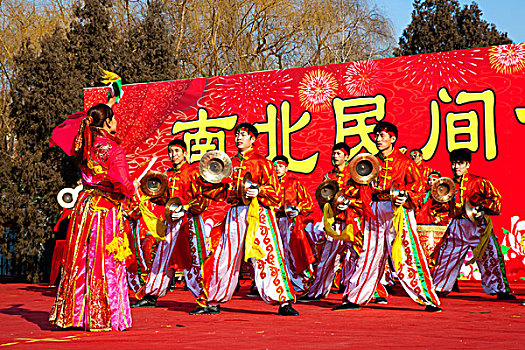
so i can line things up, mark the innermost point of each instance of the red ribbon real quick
(300, 247)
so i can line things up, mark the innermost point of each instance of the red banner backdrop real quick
(471, 99)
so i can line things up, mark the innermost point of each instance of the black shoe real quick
(339, 290)
(254, 293)
(455, 288)
(307, 299)
(287, 310)
(432, 308)
(505, 296)
(442, 294)
(346, 306)
(208, 310)
(147, 301)
(523, 304)
(380, 300)
(389, 289)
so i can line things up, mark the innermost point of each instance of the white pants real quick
(301, 282)
(270, 273)
(461, 235)
(324, 269)
(160, 275)
(379, 235)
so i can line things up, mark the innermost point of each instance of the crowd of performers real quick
(119, 239)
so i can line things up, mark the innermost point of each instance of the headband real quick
(280, 162)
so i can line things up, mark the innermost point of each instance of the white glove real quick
(252, 193)
(342, 207)
(400, 200)
(293, 213)
(176, 215)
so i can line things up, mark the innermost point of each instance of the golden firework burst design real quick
(317, 89)
(448, 68)
(507, 59)
(361, 78)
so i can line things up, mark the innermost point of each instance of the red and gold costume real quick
(424, 171)
(184, 243)
(93, 292)
(463, 234)
(432, 220)
(250, 230)
(392, 230)
(329, 249)
(298, 252)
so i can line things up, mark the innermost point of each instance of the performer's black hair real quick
(249, 127)
(434, 172)
(460, 155)
(343, 146)
(386, 126)
(178, 142)
(282, 158)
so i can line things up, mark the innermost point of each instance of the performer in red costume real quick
(391, 229)
(93, 292)
(294, 207)
(463, 234)
(331, 248)
(185, 242)
(424, 170)
(249, 230)
(432, 212)
(432, 220)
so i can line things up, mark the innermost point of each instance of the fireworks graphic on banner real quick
(507, 59)
(317, 89)
(442, 68)
(249, 94)
(361, 78)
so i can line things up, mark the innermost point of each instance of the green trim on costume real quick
(501, 262)
(279, 257)
(417, 259)
(199, 241)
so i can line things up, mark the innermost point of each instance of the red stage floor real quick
(470, 320)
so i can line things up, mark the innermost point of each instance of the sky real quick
(507, 15)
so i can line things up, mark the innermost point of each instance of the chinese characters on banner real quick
(471, 99)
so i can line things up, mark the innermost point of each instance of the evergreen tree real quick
(442, 25)
(47, 87)
(151, 48)
(33, 175)
(94, 42)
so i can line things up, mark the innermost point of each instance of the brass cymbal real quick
(154, 184)
(174, 205)
(443, 190)
(215, 165)
(364, 168)
(326, 191)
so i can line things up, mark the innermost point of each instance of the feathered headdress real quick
(114, 83)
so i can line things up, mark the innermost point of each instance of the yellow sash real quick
(156, 227)
(346, 235)
(397, 250)
(119, 246)
(483, 241)
(251, 250)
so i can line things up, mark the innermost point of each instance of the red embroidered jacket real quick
(433, 212)
(107, 168)
(478, 190)
(294, 193)
(399, 171)
(424, 171)
(263, 174)
(183, 183)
